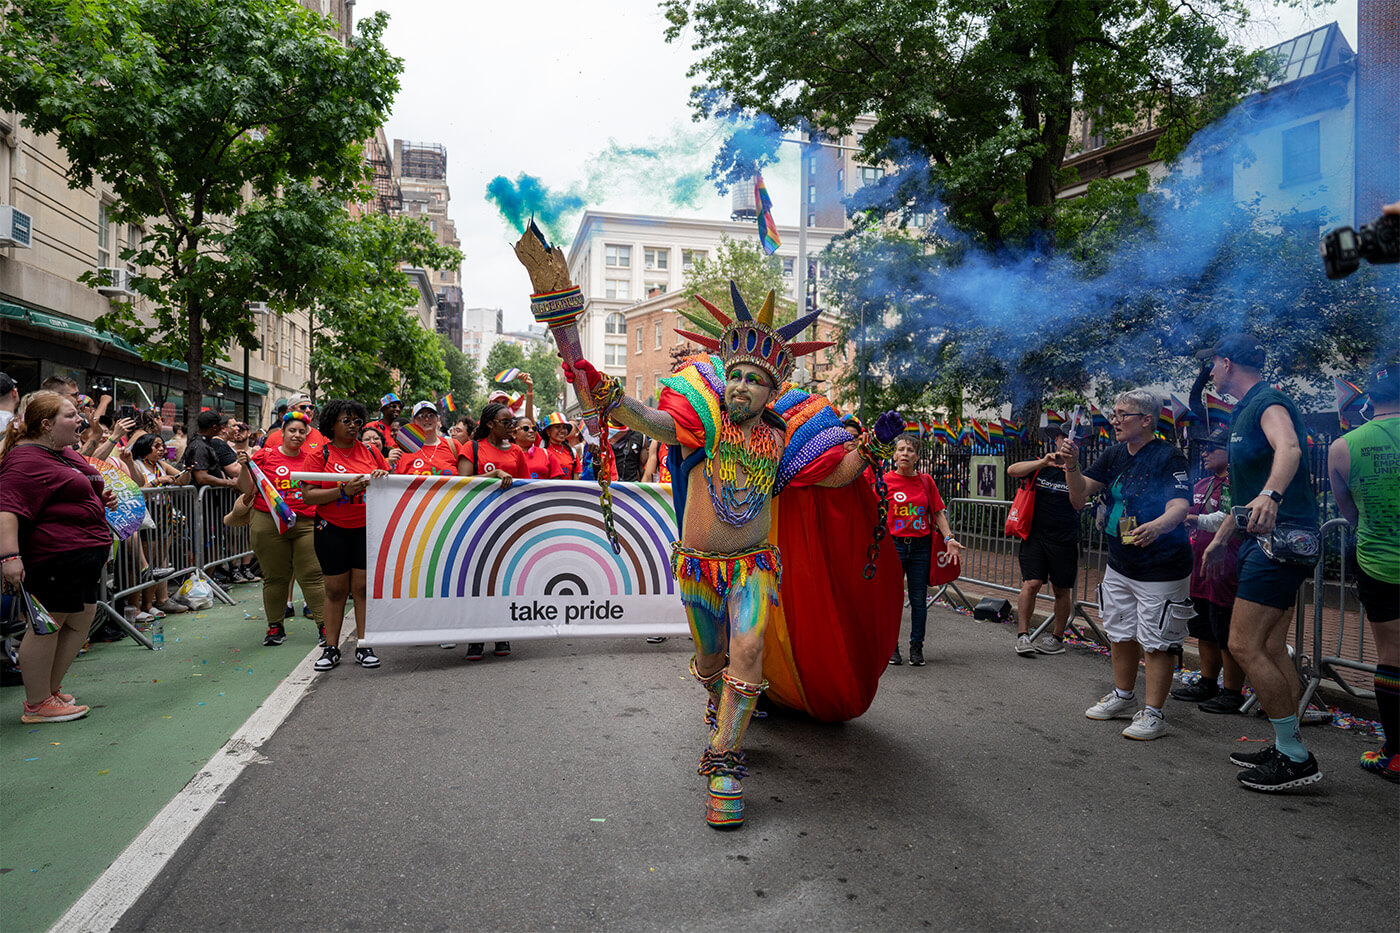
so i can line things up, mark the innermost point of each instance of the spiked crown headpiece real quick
(754, 340)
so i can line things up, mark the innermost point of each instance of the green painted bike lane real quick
(76, 794)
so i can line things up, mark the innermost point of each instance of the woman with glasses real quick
(290, 554)
(492, 450)
(1145, 596)
(438, 456)
(538, 462)
(554, 437)
(374, 437)
(340, 523)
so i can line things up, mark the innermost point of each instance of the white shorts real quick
(1152, 613)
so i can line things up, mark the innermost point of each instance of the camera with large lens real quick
(1344, 248)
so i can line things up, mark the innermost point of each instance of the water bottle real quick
(158, 633)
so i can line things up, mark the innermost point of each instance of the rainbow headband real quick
(297, 416)
(753, 340)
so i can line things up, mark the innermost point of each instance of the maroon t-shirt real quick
(57, 496)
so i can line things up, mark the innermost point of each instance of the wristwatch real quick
(1276, 496)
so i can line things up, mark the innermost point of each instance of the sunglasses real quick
(353, 422)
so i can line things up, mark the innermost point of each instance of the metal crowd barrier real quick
(220, 543)
(1344, 589)
(165, 551)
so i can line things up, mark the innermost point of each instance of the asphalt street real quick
(556, 789)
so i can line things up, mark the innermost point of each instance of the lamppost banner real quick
(456, 558)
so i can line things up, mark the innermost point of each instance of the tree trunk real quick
(194, 360)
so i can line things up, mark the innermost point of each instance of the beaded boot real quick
(723, 763)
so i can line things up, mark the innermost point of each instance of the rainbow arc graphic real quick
(455, 536)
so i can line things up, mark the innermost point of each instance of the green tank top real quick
(1251, 457)
(1375, 487)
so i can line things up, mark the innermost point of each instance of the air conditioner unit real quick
(257, 307)
(114, 282)
(16, 227)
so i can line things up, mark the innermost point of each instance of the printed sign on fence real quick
(454, 558)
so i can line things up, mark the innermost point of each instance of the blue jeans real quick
(915, 555)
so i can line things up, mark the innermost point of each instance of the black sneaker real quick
(276, 634)
(1252, 759)
(895, 659)
(502, 649)
(330, 658)
(365, 657)
(1281, 773)
(250, 575)
(1198, 692)
(1226, 701)
(916, 655)
(321, 635)
(290, 612)
(306, 610)
(475, 650)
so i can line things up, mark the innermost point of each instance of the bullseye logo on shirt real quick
(899, 497)
(283, 470)
(340, 468)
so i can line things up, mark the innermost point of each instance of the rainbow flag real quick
(963, 436)
(1166, 419)
(1100, 419)
(996, 432)
(767, 227)
(979, 430)
(282, 515)
(939, 431)
(1012, 430)
(450, 405)
(411, 437)
(913, 427)
(1218, 411)
(507, 375)
(1349, 396)
(1053, 419)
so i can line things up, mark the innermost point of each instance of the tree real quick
(744, 263)
(189, 109)
(366, 341)
(543, 366)
(463, 379)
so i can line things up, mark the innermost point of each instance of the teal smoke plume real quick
(527, 197)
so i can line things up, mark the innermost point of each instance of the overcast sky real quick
(542, 87)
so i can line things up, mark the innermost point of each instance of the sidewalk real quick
(77, 793)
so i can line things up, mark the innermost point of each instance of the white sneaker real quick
(1111, 706)
(1146, 725)
(1024, 645)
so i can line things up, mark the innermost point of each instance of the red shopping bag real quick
(941, 567)
(1018, 519)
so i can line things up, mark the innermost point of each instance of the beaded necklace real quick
(734, 504)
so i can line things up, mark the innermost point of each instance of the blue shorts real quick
(1267, 583)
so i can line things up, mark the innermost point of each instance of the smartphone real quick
(1240, 514)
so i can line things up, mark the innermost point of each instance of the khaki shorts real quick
(1153, 613)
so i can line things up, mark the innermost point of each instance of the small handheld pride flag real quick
(411, 437)
(507, 375)
(767, 227)
(282, 515)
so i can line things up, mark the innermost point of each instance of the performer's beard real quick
(742, 411)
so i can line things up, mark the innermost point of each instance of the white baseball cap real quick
(424, 406)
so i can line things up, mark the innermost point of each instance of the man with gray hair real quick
(1145, 596)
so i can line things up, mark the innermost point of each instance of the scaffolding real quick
(388, 199)
(421, 160)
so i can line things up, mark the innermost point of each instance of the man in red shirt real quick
(315, 440)
(389, 408)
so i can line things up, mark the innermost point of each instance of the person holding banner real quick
(915, 509)
(492, 450)
(439, 456)
(290, 552)
(340, 524)
(731, 454)
(538, 462)
(54, 542)
(555, 438)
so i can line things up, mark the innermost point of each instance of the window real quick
(811, 220)
(870, 175)
(639, 340)
(134, 237)
(811, 194)
(618, 288)
(919, 219)
(636, 386)
(442, 276)
(104, 235)
(841, 179)
(618, 257)
(615, 354)
(1301, 154)
(658, 335)
(615, 324)
(689, 257)
(789, 266)
(656, 258)
(812, 165)
(679, 338)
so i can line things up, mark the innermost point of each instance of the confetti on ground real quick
(55, 743)
(167, 717)
(597, 819)
(201, 704)
(108, 771)
(31, 759)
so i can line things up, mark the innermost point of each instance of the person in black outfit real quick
(629, 452)
(207, 454)
(1051, 552)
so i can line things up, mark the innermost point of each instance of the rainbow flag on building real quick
(767, 227)
(282, 515)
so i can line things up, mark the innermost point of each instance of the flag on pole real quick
(1053, 419)
(1183, 412)
(1166, 419)
(507, 375)
(980, 431)
(450, 405)
(767, 227)
(996, 432)
(282, 515)
(1100, 419)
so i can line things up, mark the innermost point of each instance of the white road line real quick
(127, 878)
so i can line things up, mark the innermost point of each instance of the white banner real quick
(456, 558)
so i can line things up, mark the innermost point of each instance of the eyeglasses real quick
(307, 408)
(525, 427)
(353, 422)
(505, 421)
(1120, 415)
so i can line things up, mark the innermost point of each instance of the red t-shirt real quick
(359, 459)
(57, 496)
(911, 513)
(278, 467)
(565, 459)
(512, 459)
(539, 464)
(438, 460)
(315, 440)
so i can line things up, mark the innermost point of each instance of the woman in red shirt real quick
(554, 438)
(438, 456)
(538, 462)
(340, 523)
(915, 509)
(491, 451)
(292, 554)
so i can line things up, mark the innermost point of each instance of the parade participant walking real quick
(726, 569)
(1213, 597)
(315, 440)
(629, 453)
(439, 456)
(1146, 590)
(389, 408)
(1364, 467)
(54, 542)
(555, 438)
(1049, 552)
(1266, 451)
(340, 523)
(493, 452)
(916, 508)
(291, 553)
(538, 462)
